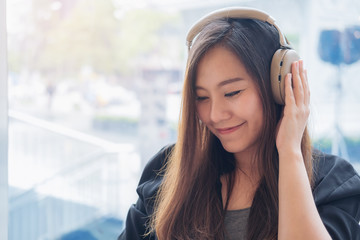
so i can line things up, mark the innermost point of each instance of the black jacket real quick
(336, 193)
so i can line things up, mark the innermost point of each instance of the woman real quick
(243, 167)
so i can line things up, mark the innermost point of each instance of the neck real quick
(244, 183)
(247, 164)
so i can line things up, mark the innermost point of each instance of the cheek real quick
(256, 111)
(201, 112)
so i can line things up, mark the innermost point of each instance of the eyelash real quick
(201, 98)
(231, 94)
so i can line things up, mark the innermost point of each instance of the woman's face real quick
(228, 102)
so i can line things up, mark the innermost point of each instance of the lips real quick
(229, 130)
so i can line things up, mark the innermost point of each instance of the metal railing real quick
(61, 179)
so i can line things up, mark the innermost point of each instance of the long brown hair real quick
(189, 204)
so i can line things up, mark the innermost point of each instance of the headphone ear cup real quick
(280, 67)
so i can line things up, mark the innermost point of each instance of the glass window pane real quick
(94, 91)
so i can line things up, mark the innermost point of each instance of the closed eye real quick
(199, 98)
(231, 94)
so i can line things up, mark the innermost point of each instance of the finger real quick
(307, 86)
(304, 80)
(297, 84)
(289, 94)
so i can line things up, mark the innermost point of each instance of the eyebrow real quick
(225, 82)
(228, 81)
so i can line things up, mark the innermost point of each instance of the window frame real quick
(3, 125)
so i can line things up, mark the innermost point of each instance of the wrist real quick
(290, 154)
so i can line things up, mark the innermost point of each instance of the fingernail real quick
(296, 65)
(289, 76)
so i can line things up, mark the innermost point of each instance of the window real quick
(94, 91)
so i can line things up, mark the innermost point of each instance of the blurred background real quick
(94, 91)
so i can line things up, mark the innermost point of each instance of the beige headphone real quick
(282, 58)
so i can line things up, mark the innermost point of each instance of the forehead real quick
(217, 65)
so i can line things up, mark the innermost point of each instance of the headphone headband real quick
(282, 58)
(232, 12)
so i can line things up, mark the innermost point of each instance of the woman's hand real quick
(296, 111)
(296, 202)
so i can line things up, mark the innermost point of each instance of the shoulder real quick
(337, 195)
(334, 178)
(140, 212)
(155, 165)
(152, 176)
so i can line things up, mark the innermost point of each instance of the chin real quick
(232, 148)
(240, 147)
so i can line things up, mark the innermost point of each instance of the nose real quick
(219, 112)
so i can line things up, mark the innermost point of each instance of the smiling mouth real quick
(228, 130)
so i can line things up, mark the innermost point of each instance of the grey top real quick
(235, 224)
